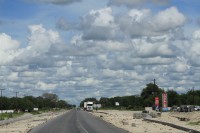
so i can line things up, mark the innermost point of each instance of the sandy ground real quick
(172, 117)
(23, 126)
(124, 119)
(121, 119)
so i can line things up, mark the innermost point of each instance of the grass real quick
(195, 123)
(5, 116)
(35, 112)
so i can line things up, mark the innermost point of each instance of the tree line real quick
(147, 98)
(45, 102)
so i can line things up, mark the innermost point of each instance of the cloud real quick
(142, 23)
(7, 43)
(13, 77)
(169, 18)
(44, 86)
(57, 2)
(103, 25)
(193, 49)
(41, 39)
(102, 53)
(8, 47)
(196, 34)
(40, 42)
(89, 82)
(97, 23)
(146, 49)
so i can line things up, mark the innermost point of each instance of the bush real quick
(10, 115)
(129, 107)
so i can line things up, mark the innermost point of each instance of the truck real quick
(85, 106)
(88, 106)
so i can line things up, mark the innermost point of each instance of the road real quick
(76, 121)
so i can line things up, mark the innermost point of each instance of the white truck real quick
(88, 106)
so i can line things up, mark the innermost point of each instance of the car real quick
(197, 108)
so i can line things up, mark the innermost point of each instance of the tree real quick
(105, 102)
(193, 97)
(25, 104)
(149, 93)
(173, 98)
(4, 102)
(183, 99)
(62, 104)
(50, 96)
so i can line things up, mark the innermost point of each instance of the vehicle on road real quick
(88, 106)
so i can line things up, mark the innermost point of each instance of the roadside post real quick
(164, 101)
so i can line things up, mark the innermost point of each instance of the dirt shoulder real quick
(25, 123)
(124, 120)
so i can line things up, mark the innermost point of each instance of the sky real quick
(106, 48)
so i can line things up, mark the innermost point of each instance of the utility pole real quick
(193, 94)
(16, 100)
(1, 91)
(16, 94)
(154, 83)
(1, 103)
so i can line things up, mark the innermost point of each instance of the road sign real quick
(157, 101)
(164, 100)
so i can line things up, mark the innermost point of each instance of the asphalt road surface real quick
(76, 121)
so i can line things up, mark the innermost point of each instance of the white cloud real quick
(138, 23)
(39, 44)
(181, 65)
(168, 19)
(7, 43)
(89, 82)
(139, 15)
(44, 86)
(102, 17)
(181, 89)
(143, 48)
(8, 48)
(64, 71)
(97, 23)
(33, 74)
(13, 77)
(190, 49)
(41, 39)
(196, 34)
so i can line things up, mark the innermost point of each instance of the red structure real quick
(157, 101)
(164, 100)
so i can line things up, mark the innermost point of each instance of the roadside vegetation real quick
(46, 102)
(6, 116)
(147, 99)
(195, 123)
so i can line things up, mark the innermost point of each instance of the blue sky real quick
(90, 48)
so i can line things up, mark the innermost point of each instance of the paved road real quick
(76, 122)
